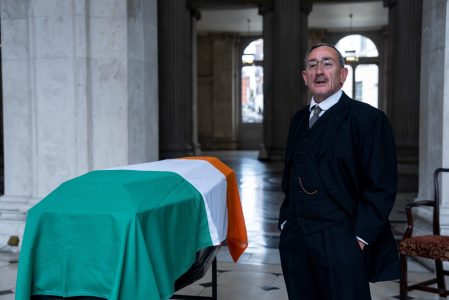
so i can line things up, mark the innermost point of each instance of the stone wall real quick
(79, 93)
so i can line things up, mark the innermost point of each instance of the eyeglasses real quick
(327, 63)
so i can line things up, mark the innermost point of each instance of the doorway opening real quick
(362, 60)
(251, 98)
(252, 83)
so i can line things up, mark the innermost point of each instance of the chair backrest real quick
(436, 211)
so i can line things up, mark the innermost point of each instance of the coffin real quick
(133, 232)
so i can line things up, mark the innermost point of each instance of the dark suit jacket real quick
(358, 168)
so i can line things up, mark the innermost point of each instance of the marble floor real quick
(257, 275)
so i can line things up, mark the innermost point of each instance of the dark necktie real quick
(315, 115)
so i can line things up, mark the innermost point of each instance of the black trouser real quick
(328, 265)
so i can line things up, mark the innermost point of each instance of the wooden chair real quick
(435, 247)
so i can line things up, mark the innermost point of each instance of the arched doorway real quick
(362, 60)
(251, 99)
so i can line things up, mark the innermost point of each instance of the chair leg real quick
(441, 283)
(403, 289)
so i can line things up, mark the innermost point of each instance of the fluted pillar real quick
(267, 130)
(175, 78)
(285, 44)
(404, 54)
(79, 93)
(434, 108)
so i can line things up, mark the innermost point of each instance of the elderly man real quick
(339, 181)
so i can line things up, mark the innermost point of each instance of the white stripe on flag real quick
(208, 180)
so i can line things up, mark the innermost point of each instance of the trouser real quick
(327, 265)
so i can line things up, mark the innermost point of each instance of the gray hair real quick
(341, 59)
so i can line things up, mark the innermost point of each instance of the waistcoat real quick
(310, 205)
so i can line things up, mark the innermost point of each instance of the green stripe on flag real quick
(118, 234)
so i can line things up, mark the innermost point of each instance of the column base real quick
(13, 212)
(263, 153)
(197, 149)
(276, 154)
(407, 169)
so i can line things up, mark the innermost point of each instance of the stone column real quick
(284, 55)
(142, 106)
(404, 56)
(175, 78)
(434, 108)
(196, 15)
(267, 130)
(79, 93)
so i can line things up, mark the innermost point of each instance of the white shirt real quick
(326, 103)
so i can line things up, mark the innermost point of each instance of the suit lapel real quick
(338, 114)
(297, 127)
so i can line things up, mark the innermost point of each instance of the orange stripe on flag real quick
(236, 237)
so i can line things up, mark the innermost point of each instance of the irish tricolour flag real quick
(129, 232)
(218, 187)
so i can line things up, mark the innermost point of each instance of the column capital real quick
(306, 6)
(265, 6)
(192, 6)
(390, 3)
(195, 13)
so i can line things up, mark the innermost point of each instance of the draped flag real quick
(236, 236)
(129, 232)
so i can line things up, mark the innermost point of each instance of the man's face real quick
(323, 75)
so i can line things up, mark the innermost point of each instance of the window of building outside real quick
(252, 83)
(361, 59)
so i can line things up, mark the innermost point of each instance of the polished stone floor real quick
(258, 274)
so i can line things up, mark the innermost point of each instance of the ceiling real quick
(331, 16)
